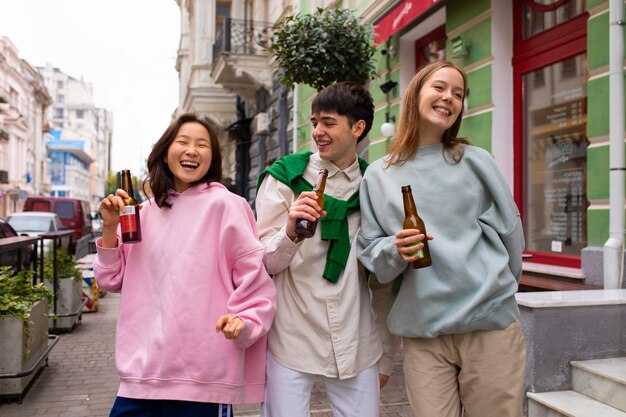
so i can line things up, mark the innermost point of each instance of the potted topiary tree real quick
(68, 290)
(324, 47)
(23, 328)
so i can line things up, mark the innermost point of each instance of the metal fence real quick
(244, 37)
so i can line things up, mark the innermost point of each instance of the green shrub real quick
(66, 267)
(321, 48)
(18, 294)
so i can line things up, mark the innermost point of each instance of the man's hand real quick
(305, 207)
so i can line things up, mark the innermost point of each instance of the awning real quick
(400, 16)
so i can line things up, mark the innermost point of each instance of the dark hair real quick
(407, 140)
(160, 179)
(346, 99)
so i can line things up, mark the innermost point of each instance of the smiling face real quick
(335, 138)
(189, 155)
(440, 103)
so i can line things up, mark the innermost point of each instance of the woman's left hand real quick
(231, 325)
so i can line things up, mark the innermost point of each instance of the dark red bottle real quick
(129, 215)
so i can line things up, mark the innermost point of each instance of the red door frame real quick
(555, 44)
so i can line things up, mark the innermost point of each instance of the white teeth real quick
(442, 111)
(189, 164)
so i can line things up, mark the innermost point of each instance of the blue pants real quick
(132, 407)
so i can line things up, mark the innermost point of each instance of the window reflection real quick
(555, 146)
(541, 15)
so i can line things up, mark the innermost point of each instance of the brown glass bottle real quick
(306, 228)
(413, 221)
(129, 215)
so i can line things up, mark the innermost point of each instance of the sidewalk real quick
(80, 379)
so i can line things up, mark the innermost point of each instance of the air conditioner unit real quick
(260, 124)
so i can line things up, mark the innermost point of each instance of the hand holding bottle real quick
(110, 211)
(409, 242)
(414, 245)
(305, 207)
(305, 226)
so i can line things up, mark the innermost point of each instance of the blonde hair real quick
(407, 139)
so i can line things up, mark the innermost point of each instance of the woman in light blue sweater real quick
(463, 343)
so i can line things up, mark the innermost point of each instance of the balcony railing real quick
(244, 37)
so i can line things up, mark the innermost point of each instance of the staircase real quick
(598, 390)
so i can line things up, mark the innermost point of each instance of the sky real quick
(126, 48)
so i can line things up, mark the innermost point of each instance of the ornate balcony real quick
(241, 62)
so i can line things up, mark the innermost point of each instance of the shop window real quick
(550, 125)
(430, 48)
(541, 15)
(555, 161)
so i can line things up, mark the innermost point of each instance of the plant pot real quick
(16, 353)
(69, 292)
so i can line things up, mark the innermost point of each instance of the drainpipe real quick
(614, 247)
(294, 121)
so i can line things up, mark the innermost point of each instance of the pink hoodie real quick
(197, 261)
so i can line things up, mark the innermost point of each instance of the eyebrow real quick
(190, 138)
(324, 118)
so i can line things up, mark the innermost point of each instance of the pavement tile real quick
(81, 381)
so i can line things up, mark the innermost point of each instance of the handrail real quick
(78, 310)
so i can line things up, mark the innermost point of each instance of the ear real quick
(358, 128)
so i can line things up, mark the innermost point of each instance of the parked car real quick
(73, 212)
(35, 223)
(10, 258)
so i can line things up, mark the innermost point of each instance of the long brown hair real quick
(160, 179)
(407, 139)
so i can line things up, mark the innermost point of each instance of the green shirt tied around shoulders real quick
(334, 226)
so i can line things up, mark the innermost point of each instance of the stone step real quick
(601, 379)
(569, 404)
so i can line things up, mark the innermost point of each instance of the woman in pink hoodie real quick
(198, 271)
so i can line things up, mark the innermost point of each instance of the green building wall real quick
(598, 93)
(472, 21)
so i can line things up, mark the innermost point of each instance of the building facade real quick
(24, 100)
(227, 75)
(199, 93)
(537, 100)
(87, 131)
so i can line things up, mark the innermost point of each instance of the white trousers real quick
(288, 393)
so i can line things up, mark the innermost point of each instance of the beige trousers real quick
(481, 372)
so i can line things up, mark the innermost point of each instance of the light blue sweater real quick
(477, 246)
